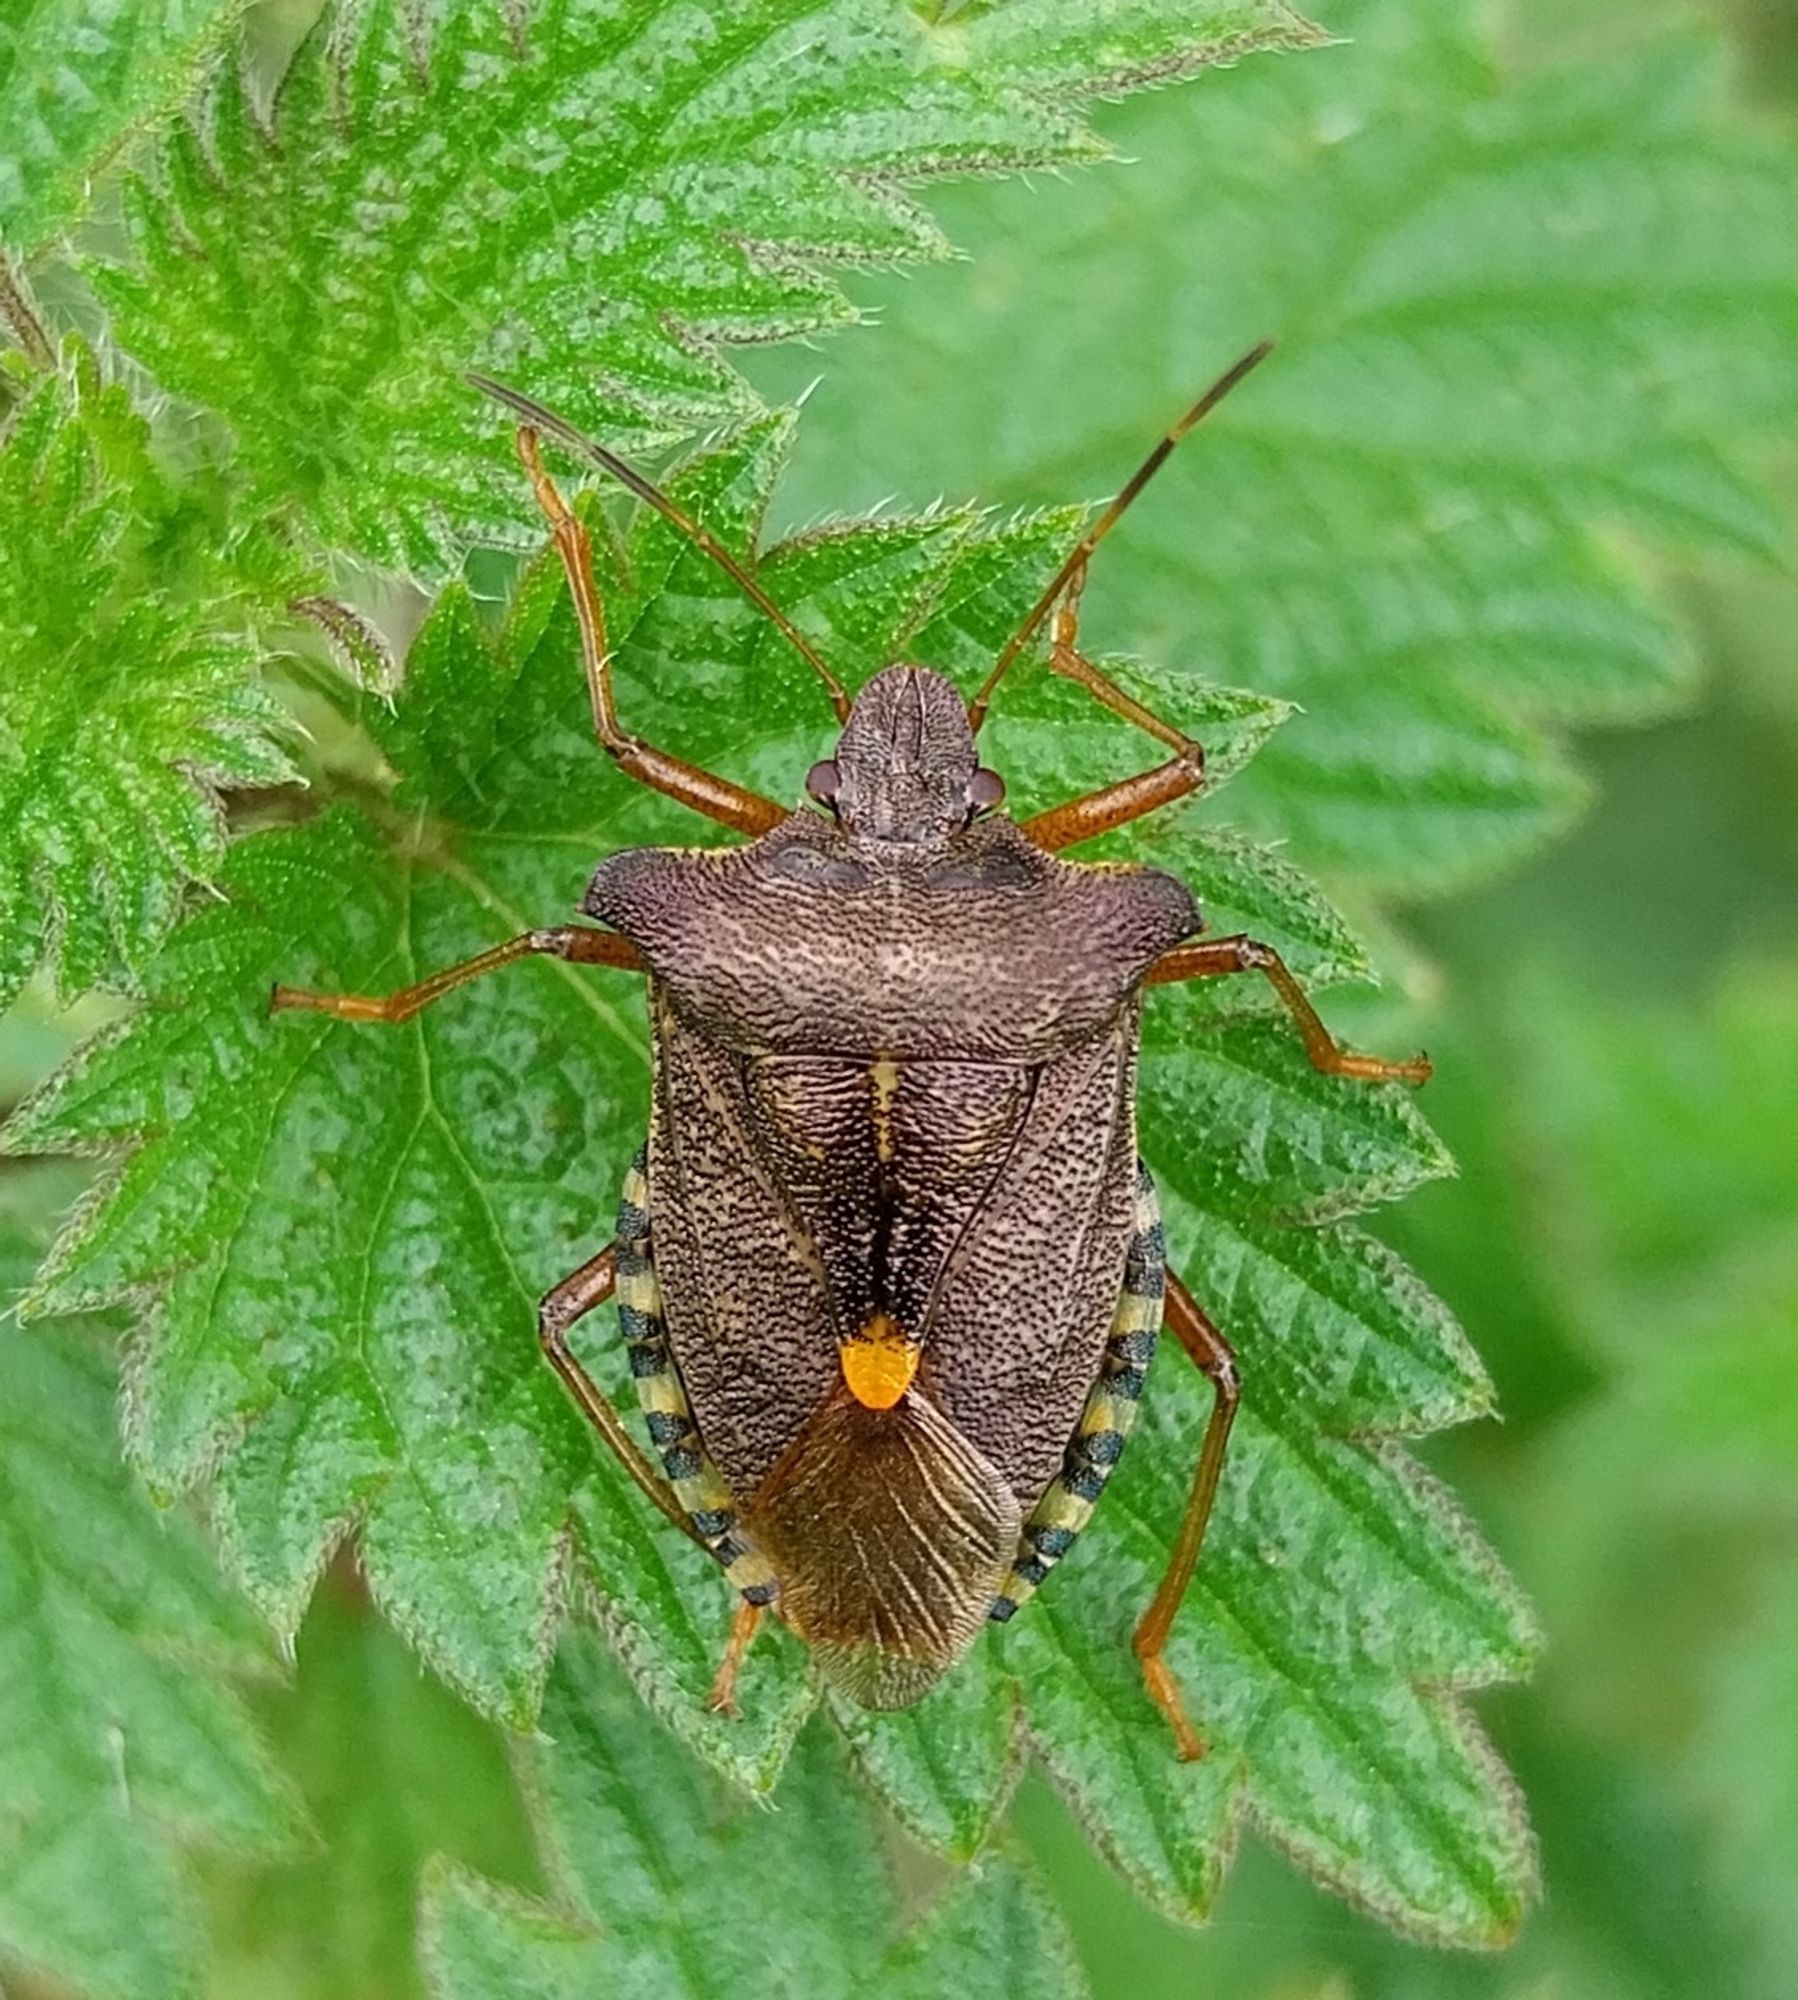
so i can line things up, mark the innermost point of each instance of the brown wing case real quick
(796, 1199)
(742, 1283)
(1024, 1303)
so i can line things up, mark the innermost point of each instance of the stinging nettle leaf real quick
(665, 1889)
(123, 1743)
(395, 1772)
(77, 79)
(344, 1230)
(123, 709)
(672, 180)
(947, 1768)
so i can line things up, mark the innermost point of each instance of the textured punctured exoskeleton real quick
(889, 1268)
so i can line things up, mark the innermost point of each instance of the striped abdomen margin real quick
(1110, 1413)
(696, 1481)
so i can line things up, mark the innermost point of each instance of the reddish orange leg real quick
(1211, 1353)
(572, 1300)
(1066, 659)
(743, 1626)
(1246, 954)
(1114, 805)
(704, 791)
(567, 941)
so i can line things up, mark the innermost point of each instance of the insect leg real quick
(1116, 805)
(748, 812)
(1212, 1354)
(546, 422)
(1113, 805)
(571, 1300)
(743, 1624)
(1066, 659)
(1212, 956)
(567, 941)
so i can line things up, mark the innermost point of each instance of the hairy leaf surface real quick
(672, 179)
(666, 1890)
(123, 705)
(77, 78)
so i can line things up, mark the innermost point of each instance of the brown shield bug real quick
(889, 1269)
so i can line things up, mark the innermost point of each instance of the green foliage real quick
(395, 1772)
(1529, 324)
(589, 201)
(348, 1227)
(1690, 1283)
(665, 1889)
(1639, 1218)
(1744, 1772)
(77, 79)
(122, 707)
(123, 1741)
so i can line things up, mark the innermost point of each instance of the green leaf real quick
(346, 1229)
(394, 1770)
(1745, 1775)
(1634, 1215)
(77, 79)
(666, 1889)
(123, 1741)
(1529, 322)
(1661, 1143)
(124, 706)
(671, 181)
(946, 1768)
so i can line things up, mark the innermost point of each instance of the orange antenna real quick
(1140, 478)
(541, 419)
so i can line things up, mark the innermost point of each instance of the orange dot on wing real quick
(879, 1364)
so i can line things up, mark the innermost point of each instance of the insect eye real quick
(821, 782)
(986, 789)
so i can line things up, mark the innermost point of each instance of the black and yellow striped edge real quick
(697, 1483)
(1110, 1413)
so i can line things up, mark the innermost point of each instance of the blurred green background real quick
(1615, 1023)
